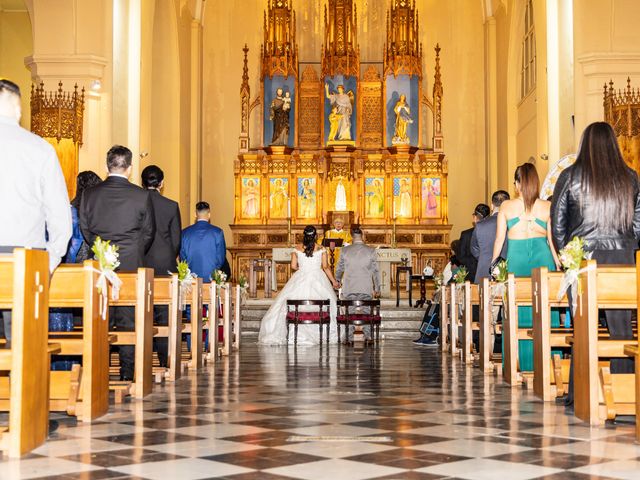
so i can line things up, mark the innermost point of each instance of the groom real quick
(358, 273)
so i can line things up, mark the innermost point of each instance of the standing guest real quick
(163, 254)
(598, 199)
(203, 246)
(524, 222)
(121, 212)
(338, 233)
(484, 236)
(79, 250)
(359, 274)
(464, 253)
(35, 203)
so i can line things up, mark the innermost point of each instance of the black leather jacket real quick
(572, 216)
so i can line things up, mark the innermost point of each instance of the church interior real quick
(395, 118)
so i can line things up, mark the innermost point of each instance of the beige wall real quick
(16, 43)
(455, 24)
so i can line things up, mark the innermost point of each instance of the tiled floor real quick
(393, 412)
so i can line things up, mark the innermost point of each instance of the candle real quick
(288, 207)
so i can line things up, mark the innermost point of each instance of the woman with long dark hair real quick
(524, 222)
(598, 199)
(79, 250)
(312, 280)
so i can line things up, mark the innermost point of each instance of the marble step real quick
(402, 322)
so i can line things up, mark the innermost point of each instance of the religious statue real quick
(280, 109)
(343, 104)
(278, 199)
(252, 199)
(340, 204)
(334, 122)
(403, 119)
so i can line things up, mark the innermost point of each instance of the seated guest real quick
(484, 236)
(464, 253)
(33, 194)
(121, 212)
(162, 256)
(203, 246)
(79, 250)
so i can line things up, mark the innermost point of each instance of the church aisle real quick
(397, 412)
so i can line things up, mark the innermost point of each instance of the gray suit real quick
(482, 240)
(358, 272)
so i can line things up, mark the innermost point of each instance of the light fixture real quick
(96, 85)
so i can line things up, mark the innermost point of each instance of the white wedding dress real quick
(308, 283)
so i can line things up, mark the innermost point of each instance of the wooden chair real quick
(260, 265)
(194, 327)
(470, 297)
(24, 288)
(83, 392)
(297, 317)
(518, 295)
(224, 303)
(136, 291)
(359, 312)
(633, 350)
(608, 287)
(550, 374)
(166, 292)
(487, 303)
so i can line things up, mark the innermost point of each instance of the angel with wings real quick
(343, 104)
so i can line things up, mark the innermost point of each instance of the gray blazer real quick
(482, 240)
(358, 269)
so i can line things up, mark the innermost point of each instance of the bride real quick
(312, 280)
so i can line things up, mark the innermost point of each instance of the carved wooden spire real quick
(340, 52)
(279, 47)
(403, 50)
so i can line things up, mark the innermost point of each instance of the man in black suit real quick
(464, 254)
(121, 212)
(165, 248)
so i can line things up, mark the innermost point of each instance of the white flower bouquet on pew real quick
(107, 257)
(219, 277)
(185, 279)
(461, 275)
(571, 257)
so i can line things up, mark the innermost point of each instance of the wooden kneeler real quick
(608, 287)
(550, 375)
(166, 292)
(136, 291)
(24, 288)
(81, 392)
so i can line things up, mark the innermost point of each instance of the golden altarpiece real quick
(339, 138)
(622, 111)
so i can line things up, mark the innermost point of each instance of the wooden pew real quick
(137, 291)
(551, 375)
(486, 318)
(24, 288)
(166, 292)
(470, 297)
(607, 287)
(81, 392)
(454, 320)
(444, 318)
(518, 295)
(229, 297)
(195, 326)
(633, 350)
(209, 298)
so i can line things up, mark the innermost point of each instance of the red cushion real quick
(359, 318)
(308, 316)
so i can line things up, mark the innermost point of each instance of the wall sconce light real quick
(96, 85)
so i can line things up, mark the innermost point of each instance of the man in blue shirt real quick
(203, 245)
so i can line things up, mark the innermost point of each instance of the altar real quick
(359, 140)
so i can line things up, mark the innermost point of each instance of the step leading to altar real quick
(401, 322)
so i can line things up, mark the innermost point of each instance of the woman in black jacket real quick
(598, 199)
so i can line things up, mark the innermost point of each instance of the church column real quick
(71, 43)
(195, 189)
(491, 100)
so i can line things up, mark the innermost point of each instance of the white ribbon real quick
(570, 281)
(184, 289)
(107, 276)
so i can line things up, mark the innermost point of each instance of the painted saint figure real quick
(343, 103)
(280, 109)
(375, 194)
(403, 119)
(307, 200)
(403, 202)
(278, 200)
(334, 121)
(252, 199)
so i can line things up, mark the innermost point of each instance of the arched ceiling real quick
(13, 5)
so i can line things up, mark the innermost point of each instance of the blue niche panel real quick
(340, 109)
(402, 114)
(284, 108)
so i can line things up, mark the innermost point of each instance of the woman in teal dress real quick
(524, 222)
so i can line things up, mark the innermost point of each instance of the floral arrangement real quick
(107, 257)
(500, 271)
(185, 278)
(219, 277)
(243, 282)
(461, 275)
(571, 257)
